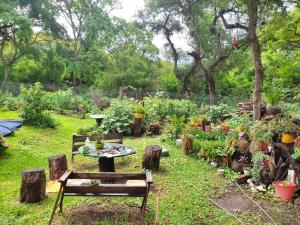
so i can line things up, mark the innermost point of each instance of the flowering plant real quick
(3, 144)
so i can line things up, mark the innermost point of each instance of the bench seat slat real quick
(105, 189)
(109, 176)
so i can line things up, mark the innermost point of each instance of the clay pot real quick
(273, 109)
(284, 190)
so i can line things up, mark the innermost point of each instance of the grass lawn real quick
(185, 183)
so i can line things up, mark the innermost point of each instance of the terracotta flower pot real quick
(287, 138)
(284, 190)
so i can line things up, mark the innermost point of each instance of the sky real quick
(127, 10)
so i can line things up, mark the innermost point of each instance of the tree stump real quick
(57, 166)
(151, 157)
(33, 188)
(137, 127)
(187, 145)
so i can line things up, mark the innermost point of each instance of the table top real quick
(111, 150)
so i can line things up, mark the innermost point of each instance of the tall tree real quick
(208, 41)
(87, 23)
(17, 19)
(252, 13)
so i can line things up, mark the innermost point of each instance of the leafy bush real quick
(174, 128)
(80, 106)
(162, 108)
(9, 101)
(33, 106)
(118, 117)
(273, 95)
(257, 161)
(217, 111)
(59, 101)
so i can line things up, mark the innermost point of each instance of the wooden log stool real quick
(33, 187)
(57, 166)
(151, 157)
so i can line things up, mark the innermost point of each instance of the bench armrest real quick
(149, 179)
(65, 176)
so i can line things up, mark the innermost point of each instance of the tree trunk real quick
(5, 76)
(151, 157)
(33, 188)
(212, 89)
(57, 166)
(256, 54)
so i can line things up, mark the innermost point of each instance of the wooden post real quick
(57, 166)
(151, 157)
(33, 188)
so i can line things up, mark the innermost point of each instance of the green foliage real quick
(91, 131)
(33, 106)
(261, 131)
(118, 117)
(173, 129)
(211, 149)
(162, 108)
(217, 111)
(80, 106)
(257, 161)
(59, 101)
(273, 95)
(9, 101)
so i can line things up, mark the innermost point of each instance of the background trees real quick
(231, 46)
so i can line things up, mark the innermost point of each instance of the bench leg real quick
(56, 204)
(61, 200)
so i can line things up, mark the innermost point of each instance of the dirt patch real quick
(281, 212)
(234, 201)
(97, 214)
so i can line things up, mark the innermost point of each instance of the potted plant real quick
(139, 111)
(99, 144)
(286, 127)
(261, 136)
(284, 189)
(272, 96)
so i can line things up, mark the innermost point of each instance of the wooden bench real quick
(138, 187)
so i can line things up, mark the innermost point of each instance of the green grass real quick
(185, 182)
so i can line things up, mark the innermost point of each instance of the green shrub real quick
(273, 95)
(59, 101)
(174, 128)
(162, 108)
(80, 106)
(217, 111)
(9, 101)
(118, 117)
(33, 106)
